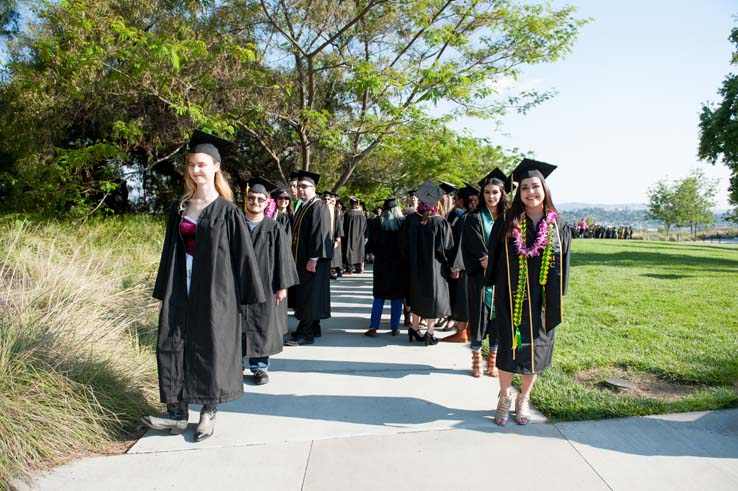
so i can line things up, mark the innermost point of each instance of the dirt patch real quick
(646, 385)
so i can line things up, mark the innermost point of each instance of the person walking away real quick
(388, 273)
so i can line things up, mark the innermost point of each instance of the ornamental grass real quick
(76, 329)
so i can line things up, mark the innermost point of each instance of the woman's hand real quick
(280, 296)
(483, 262)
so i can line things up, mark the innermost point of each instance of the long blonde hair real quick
(221, 186)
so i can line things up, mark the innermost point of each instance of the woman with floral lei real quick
(528, 266)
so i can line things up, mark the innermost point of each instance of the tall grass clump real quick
(77, 325)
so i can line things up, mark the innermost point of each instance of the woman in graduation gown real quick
(207, 271)
(528, 267)
(283, 215)
(389, 269)
(427, 244)
(475, 237)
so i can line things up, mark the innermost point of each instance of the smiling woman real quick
(529, 268)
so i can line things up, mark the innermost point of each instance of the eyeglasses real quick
(305, 186)
(256, 199)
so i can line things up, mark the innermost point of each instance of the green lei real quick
(546, 261)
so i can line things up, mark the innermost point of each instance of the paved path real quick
(356, 413)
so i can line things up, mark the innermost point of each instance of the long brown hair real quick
(504, 202)
(517, 208)
(221, 185)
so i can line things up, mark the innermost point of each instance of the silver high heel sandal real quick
(503, 410)
(522, 410)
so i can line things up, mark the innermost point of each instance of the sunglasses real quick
(256, 199)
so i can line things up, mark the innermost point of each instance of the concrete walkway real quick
(358, 413)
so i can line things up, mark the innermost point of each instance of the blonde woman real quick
(207, 271)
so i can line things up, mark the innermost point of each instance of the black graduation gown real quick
(537, 326)
(265, 323)
(389, 272)
(336, 261)
(427, 248)
(198, 351)
(473, 247)
(285, 220)
(458, 288)
(354, 229)
(312, 238)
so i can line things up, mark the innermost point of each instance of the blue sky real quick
(629, 98)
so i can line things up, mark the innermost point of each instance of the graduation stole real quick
(543, 246)
(299, 216)
(487, 222)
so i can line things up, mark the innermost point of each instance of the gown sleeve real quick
(285, 271)
(246, 271)
(167, 251)
(472, 242)
(565, 254)
(495, 251)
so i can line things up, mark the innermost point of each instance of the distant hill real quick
(620, 206)
(616, 215)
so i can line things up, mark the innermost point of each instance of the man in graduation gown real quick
(354, 231)
(329, 199)
(265, 324)
(312, 248)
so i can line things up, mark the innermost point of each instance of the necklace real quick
(543, 246)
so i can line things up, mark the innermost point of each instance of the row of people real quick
(585, 231)
(499, 268)
(224, 275)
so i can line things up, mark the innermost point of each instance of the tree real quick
(719, 130)
(344, 76)
(99, 92)
(688, 201)
(662, 205)
(695, 196)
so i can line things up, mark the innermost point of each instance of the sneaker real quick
(261, 377)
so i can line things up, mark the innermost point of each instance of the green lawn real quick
(645, 308)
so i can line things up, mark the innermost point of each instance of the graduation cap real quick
(411, 192)
(280, 192)
(310, 177)
(201, 142)
(531, 168)
(258, 184)
(497, 174)
(447, 187)
(467, 190)
(328, 194)
(353, 200)
(389, 203)
(294, 175)
(429, 194)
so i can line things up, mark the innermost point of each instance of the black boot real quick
(206, 426)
